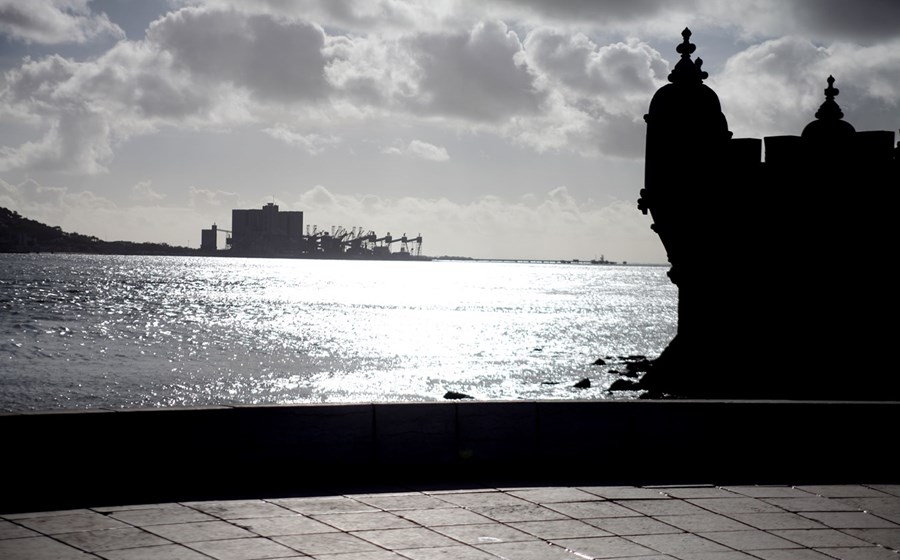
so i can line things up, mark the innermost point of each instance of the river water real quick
(99, 331)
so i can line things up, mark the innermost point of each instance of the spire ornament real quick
(829, 124)
(830, 110)
(687, 71)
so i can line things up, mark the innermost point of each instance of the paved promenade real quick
(481, 522)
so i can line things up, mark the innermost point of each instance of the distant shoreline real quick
(190, 252)
(21, 235)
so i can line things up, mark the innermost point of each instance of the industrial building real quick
(270, 232)
(267, 231)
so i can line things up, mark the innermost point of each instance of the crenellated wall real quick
(779, 259)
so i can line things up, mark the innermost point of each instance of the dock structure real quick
(268, 231)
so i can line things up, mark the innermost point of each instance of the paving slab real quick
(687, 522)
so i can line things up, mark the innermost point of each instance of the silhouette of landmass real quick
(19, 234)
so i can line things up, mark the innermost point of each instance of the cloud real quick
(80, 110)
(212, 199)
(277, 60)
(73, 211)
(617, 11)
(551, 225)
(775, 87)
(865, 20)
(595, 94)
(427, 151)
(372, 71)
(421, 150)
(88, 213)
(54, 22)
(312, 143)
(533, 73)
(480, 75)
(143, 192)
(77, 141)
(618, 75)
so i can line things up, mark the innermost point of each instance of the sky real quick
(492, 128)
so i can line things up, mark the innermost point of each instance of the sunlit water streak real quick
(88, 331)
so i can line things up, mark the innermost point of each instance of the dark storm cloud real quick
(276, 59)
(861, 20)
(600, 11)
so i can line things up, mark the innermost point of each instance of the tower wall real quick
(775, 259)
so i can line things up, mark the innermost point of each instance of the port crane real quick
(359, 240)
(404, 243)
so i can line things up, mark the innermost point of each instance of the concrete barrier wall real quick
(91, 458)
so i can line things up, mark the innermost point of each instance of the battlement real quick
(774, 246)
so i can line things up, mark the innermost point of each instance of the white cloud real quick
(277, 60)
(216, 199)
(776, 87)
(545, 76)
(372, 70)
(421, 150)
(78, 140)
(143, 192)
(54, 22)
(480, 75)
(311, 143)
(553, 225)
(88, 213)
(427, 151)
(619, 76)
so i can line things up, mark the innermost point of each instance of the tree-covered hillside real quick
(19, 234)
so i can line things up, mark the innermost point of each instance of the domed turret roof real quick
(687, 98)
(829, 123)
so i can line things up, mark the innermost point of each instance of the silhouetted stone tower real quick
(776, 261)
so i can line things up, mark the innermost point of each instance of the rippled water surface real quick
(85, 331)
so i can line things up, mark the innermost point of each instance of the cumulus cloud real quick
(596, 93)
(87, 213)
(212, 198)
(85, 107)
(144, 192)
(371, 70)
(775, 87)
(427, 151)
(421, 150)
(311, 143)
(618, 75)
(54, 21)
(76, 211)
(548, 225)
(77, 141)
(277, 60)
(479, 75)
(508, 68)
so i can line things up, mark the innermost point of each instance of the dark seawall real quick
(61, 460)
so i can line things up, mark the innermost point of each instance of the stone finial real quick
(685, 70)
(830, 109)
(829, 124)
(686, 48)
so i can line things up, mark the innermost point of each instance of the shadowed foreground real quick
(78, 459)
(470, 480)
